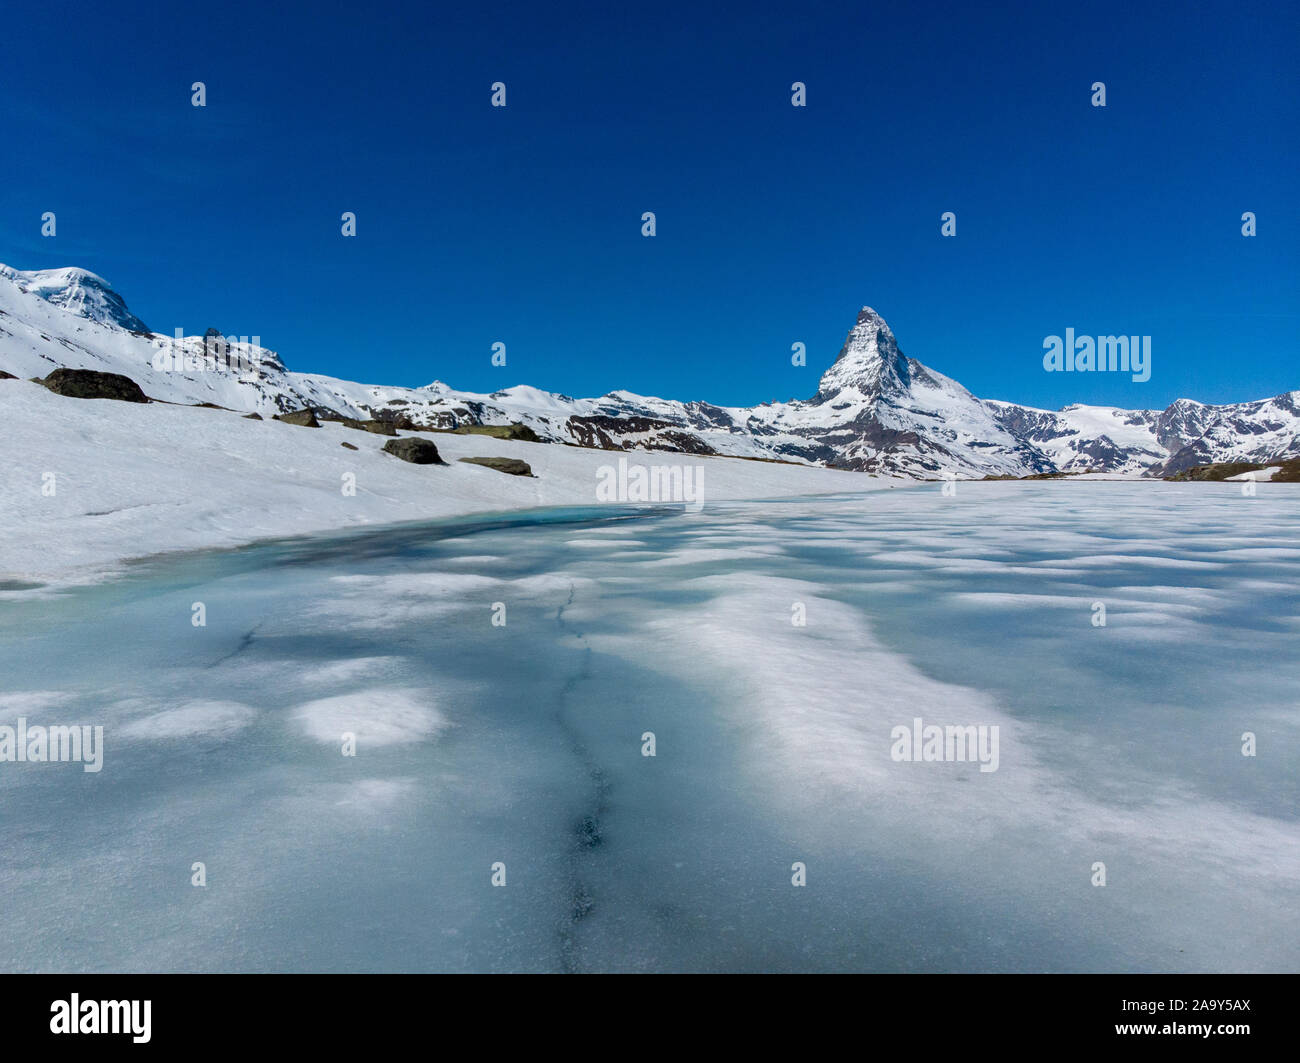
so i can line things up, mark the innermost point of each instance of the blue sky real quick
(775, 224)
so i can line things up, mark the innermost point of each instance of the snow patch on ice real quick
(380, 717)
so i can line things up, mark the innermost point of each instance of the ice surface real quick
(522, 743)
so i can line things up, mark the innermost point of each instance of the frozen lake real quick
(522, 743)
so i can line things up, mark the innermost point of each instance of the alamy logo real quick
(1102, 354)
(657, 483)
(930, 743)
(102, 1016)
(218, 354)
(38, 745)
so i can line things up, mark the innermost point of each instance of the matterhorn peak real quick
(869, 361)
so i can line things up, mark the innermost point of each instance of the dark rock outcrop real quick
(303, 418)
(92, 384)
(500, 431)
(382, 428)
(1289, 470)
(415, 450)
(602, 432)
(512, 466)
(440, 422)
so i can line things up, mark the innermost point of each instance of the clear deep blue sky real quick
(775, 224)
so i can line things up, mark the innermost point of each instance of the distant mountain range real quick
(875, 410)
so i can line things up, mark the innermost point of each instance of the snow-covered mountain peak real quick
(79, 292)
(869, 361)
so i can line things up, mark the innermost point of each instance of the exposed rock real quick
(7, 376)
(92, 384)
(601, 432)
(399, 419)
(252, 417)
(1217, 471)
(382, 428)
(500, 431)
(513, 466)
(348, 445)
(1288, 470)
(415, 450)
(304, 418)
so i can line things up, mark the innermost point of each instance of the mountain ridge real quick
(875, 410)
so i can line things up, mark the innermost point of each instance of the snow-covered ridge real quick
(875, 410)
